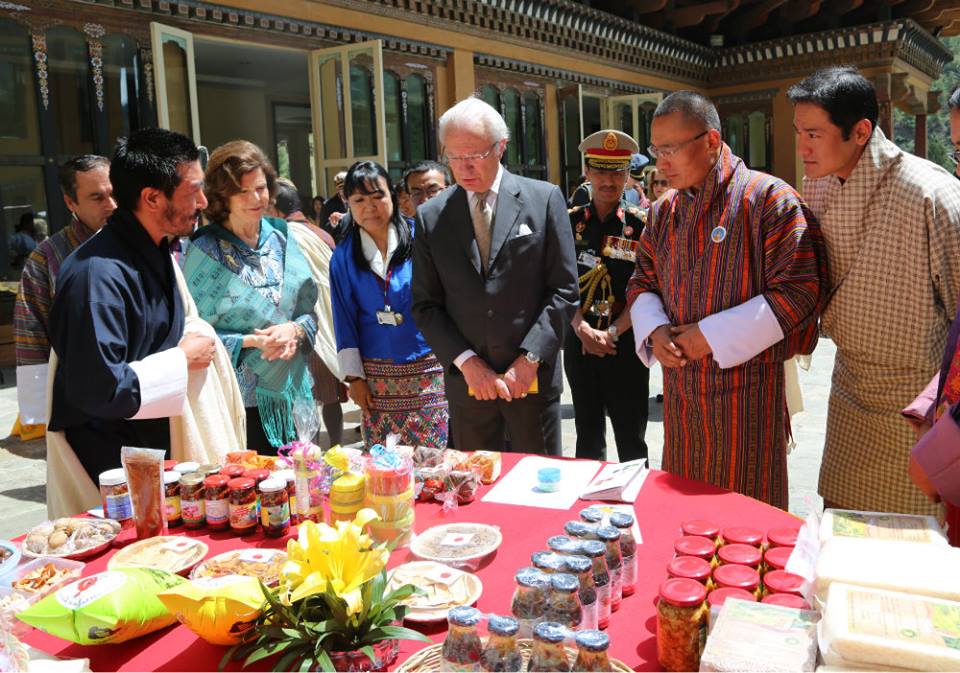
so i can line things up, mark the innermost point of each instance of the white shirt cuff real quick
(163, 384)
(742, 332)
(32, 393)
(350, 363)
(646, 315)
(463, 357)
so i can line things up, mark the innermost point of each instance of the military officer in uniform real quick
(599, 359)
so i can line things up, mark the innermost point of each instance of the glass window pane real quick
(19, 121)
(70, 99)
(511, 106)
(491, 96)
(292, 128)
(571, 140)
(645, 120)
(531, 130)
(362, 104)
(623, 117)
(758, 140)
(733, 128)
(417, 117)
(592, 118)
(121, 86)
(393, 103)
(176, 66)
(331, 106)
(23, 201)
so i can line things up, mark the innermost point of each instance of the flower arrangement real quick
(332, 610)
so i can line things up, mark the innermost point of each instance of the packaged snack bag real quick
(221, 610)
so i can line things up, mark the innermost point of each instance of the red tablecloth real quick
(664, 501)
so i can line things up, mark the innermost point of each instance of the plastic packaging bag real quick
(221, 610)
(882, 526)
(110, 607)
(144, 470)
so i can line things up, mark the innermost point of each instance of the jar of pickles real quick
(258, 475)
(610, 536)
(171, 499)
(232, 470)
(529, 599)
(548, 653)
(741, 554)
(695, 545)
(563, 605)
(501, 653)
(191, 500)
(717, 597)
(782, 537)
(690, 567)
(738, 577)
(776, 558)
(186, 467)
(582, 568)
(628, 549)
(681, 631)
(243, 506)
(462, 647)
(290, 478)
(786, 601)
(782, 582)
(216, 501)
(592, 649)
(742, 535)
(701, 528)
(580, 530)
(596, 551)
(274, 507)
(116, 497)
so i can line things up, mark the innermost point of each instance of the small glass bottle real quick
(243, 506)
(610, 536)
(580, 530)
(500, 652)
(171, 499)
(116, 497)
(681, 624)
(216, 499)
(582, 567)
(548, 652)
(561, 544)
(547, 561)
(592, 515)
(274, 507)
(592, 646)
(623, 522)
(564, 605)
(462, 647)
(596, 551)
(529, 599)
(191, 500)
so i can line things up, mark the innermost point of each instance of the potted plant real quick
(332, 610)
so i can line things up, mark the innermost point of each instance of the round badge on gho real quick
(718, 234)
(628, 231)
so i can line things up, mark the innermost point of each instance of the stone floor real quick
(23, 465)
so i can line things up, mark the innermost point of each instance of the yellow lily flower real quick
(343, 557)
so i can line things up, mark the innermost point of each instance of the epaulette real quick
(637, 213)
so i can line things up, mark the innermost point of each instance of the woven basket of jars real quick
(429, 659)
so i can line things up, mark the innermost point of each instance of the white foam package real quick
(880, 526)
(751, 636)
(910, 567)
(874, 627)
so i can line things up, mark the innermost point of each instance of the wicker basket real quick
(428, 659)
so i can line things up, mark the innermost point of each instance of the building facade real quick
(321, 83)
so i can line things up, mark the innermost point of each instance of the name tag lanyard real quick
(387, 316)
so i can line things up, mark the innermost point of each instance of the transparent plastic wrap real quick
(144, 470)
(874, 627)
(910, 567)
(881, 526)
(70, 538)
(750, 636)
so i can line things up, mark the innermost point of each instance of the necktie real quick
(482, 215)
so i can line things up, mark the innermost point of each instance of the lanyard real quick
(385, 284)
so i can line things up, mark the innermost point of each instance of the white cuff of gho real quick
(646, 315)
(351, 365)
(32, 393)
(163, 384)
(741, 333)
(463, 357)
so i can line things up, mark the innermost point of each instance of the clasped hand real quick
(277, 342)
(487, 386)
(676, 346)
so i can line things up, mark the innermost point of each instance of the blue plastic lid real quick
(608, 533)
(577, 564)
(550, 632)
(548, 560)
(464, 615)
(548, 474)
(561, 544)
(591, 515)
(593, 640)
(621, 520)
(578, 529)
(503, 626)
(593, 548)
(564, 582)
(532, 577)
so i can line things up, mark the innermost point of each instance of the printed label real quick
(276, 516)
(172, 508)
(218, 511)
(885, 527)
(905, 618)
(119, 507)
(192, 510)
(87, 590)
(243, 516)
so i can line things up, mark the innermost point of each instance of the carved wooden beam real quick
(693, 15)
(936, 14)
(911, 6)
(712, 24)
(798, 10)
(841, 7)
(756, 16)
(648, 6)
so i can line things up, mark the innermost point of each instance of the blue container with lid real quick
(548, 479)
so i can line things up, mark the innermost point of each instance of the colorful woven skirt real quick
(408, 400)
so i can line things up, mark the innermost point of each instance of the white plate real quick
(419, 612)
(456, 544)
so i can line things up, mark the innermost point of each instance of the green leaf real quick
(325, 662)
(287, 661)
(308, 663)
(402, 633)
(368, 650)
(266, 651)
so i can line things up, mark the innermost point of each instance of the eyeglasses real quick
(660, 183)
(470, 158)
(667, 152)
(955, 156)
(424, 194)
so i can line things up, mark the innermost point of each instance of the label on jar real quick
(119, 507)
(243, 516)
(275, 516)
(172, 507)
(917, 620)
(192, 510)
(218, 511)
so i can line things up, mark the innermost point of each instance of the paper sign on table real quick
(617, 481)
(519, 485)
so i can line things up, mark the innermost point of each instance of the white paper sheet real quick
(519, 485)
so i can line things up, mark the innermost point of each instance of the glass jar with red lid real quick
(782, 582)
(168, 465)
(696, 545)
(741, 554)
(787, 601)
(742, 535)
(258, 475)
(737, 577)
(717, 597)
(243, 506)
(776, 558)
(701, 527)
(690, 567)
(680, 624)
(216, 501)
(782, 537)
(232, 470)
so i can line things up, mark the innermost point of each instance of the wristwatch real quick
(613, 332)
(532, 358)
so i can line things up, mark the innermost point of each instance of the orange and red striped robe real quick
(730, 426)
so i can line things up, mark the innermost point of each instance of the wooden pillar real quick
(785, 163)
(551, 118)
(885, 122)
(460, 76)
(920, 136)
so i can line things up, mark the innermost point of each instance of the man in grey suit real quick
(494, 286)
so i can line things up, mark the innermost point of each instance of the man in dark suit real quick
(494, 286)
